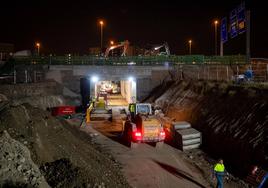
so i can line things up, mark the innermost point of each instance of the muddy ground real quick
(65, 156)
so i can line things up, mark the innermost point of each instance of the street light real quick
(111, 42)
(101, 25)
(190, 46)
(216, 26)
(38, 47)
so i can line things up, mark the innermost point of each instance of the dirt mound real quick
(42, 102)
(233, 119)
(16, 166)
(51, 140)
(62, 173)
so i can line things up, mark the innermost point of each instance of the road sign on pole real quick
(224, 32)
(233, 23)
(241, 18)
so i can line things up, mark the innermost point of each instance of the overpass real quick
(135, 81)
(137, 75)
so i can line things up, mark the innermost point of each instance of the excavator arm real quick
(124, 44)
(165, 45)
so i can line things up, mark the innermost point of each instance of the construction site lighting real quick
(131, 79)
(94, 79)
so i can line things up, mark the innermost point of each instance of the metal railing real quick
(130, 60)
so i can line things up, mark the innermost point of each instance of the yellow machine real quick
(142, 126)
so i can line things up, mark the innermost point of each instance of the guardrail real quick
(130, 60)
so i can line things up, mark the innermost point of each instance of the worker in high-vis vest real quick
(219, 173)
(132, 110)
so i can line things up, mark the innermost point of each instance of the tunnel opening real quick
(116, 92)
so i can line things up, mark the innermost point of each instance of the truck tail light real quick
(137, 134)
(162, 134)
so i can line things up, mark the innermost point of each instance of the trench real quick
(233, 119)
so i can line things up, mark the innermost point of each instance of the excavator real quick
(156, 50)
(124, 44)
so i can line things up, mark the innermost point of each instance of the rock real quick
(19, 167)
(12, 154)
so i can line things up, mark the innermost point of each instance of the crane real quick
(124, 44)
(155, 50)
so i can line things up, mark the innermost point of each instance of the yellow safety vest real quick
(132, 108)
(219, 167)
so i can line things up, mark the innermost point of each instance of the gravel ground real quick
(55, 144)
(16, 166)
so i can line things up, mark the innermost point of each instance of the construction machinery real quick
(143, 126)
(156, 50)
(99, 109)
(124, 44)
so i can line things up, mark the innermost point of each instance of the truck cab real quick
(143, 126)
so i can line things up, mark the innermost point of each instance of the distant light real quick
(101, 22)
(112, 42)
(216, 22)
(69, 55)
(166, 64)
(94, 79)
(37, 44)
(190, 41)
(131, 79)
(131, 63)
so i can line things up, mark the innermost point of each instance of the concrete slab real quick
(189, 133)
(181, 125)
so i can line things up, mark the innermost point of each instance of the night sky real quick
(72, 26)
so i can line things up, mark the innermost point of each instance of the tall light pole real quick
(190, 46)
(216, 26)
(38, 47)
(101, 27)
(111, 44)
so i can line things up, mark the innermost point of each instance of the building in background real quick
(6, 50)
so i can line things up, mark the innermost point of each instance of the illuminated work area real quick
(115, 92)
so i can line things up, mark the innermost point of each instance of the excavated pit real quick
(233, 119)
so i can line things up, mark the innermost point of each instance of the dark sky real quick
(72, 26)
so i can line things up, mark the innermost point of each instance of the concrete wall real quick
(146, 77)
(129, 90)
(18, 91)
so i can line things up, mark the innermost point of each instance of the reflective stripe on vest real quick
(219, 168)
(132, 108)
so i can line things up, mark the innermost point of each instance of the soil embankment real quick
(63, 155)
(233, 119)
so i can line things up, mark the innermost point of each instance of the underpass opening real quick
(117, 92)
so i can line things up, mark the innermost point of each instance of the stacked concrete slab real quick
(186, 137)
(100, 114)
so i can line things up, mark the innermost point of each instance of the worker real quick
(219, 173)
(132, 110)
(261, 176)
